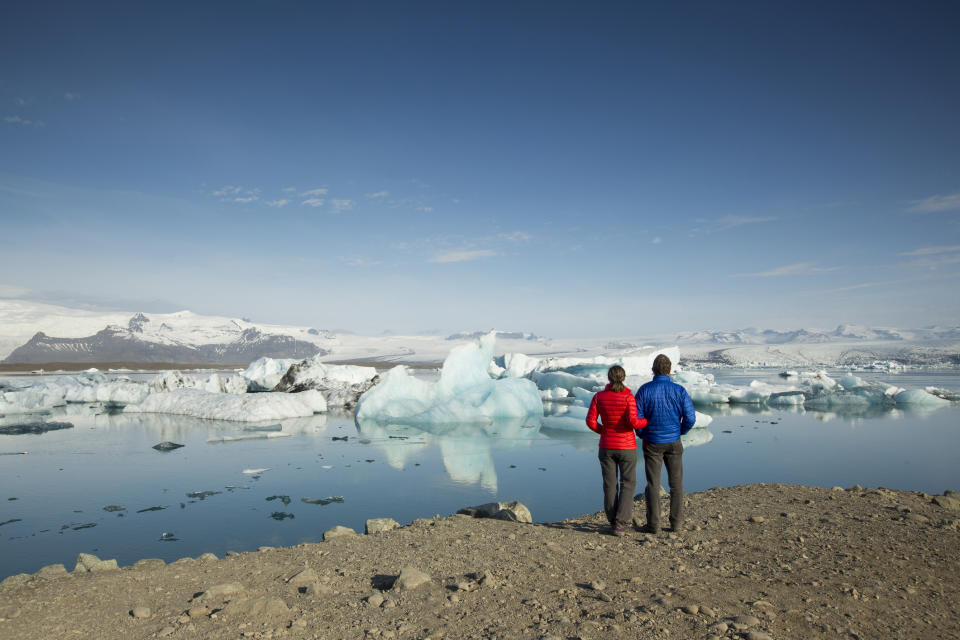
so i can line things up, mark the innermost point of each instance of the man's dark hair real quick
(661, 365)
(616, 375)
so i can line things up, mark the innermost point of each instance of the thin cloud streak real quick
(714, 225)
(936, 204)
(797, 269)
(463, 256)
(929, 251)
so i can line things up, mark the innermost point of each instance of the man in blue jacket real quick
(669, 412)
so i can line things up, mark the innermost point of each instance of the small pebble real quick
(141, 612)
(692, 609)
(757, 519)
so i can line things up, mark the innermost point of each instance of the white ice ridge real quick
(812, 390)
(264, 374)
(31, 395)
(246, 407)
(464, 393)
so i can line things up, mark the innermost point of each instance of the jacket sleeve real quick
(638, 405)
(592, 415)
(689, 417)
(635, 420)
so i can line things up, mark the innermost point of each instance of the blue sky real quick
(572, 169)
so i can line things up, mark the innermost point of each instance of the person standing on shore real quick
(618, 447)
(669, 412)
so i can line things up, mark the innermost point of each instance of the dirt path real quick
(756, 562)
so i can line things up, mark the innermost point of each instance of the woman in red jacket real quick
(618, 447)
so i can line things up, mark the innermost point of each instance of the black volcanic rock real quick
(33, 427)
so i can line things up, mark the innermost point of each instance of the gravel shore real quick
(754, 562)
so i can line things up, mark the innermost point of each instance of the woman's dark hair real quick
(616, 375)
(661, 365)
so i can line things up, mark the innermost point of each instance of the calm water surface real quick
(50, 498)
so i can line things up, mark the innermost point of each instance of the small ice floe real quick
(167, 446)
(326, 466)
(231, 487)
(200, 495)
(322, 501)
(284, 499)
(11, 521)
(156, 508)
(166, 536)
(37, 427)
(280, 515)
(254, 472)
(269, 427)
(268, 435)
(110, 508)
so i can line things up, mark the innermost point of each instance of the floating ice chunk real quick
(850, 382)
(557, 393)
(517, 365)
(120, 393)
(263, 374)
(464, 393)
(703, 420)
(696, 437)
(262, 435)
(786, 399)
(919, 397)
(341, 385)
(564, 380)
(254, 472)
(946, 394)
(38, 399)
(638, 362)
(583, 396)
(247, 407)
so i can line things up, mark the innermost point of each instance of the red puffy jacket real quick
(618, 418)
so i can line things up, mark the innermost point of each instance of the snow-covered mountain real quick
(37, 333)
(58, 334)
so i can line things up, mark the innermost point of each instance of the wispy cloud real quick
(929, 251)
(797, 269)
(425, 209)
(378, 194)
(656, 240)
(714, 225)
(358, 262)
(241, 195)
(463, 256)
(339, 206)
(312, 193)
(70, 97)
(289, 189)
(23, 121)
(936, 204)
(282, 202)
(515, 236)
(313, 202)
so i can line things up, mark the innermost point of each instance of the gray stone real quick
(85, 561)
(15, 581)
(758, 635)
(303, 578)
(198, 612)
(9, 613)
(338, 532)
(320, 589)
(598, 585)
(207, 557)
(222, 590)
(149, 563)
(375, 599)
(163, 633)
(512, 511)
(692, 609)
(104, 565)
(719, 627)
(947, 502)
(141, 612)
(167, 446)
(707, 611)
(379, 525)
(410, 578)
(757, 519)
(748, 621)
(52, 572)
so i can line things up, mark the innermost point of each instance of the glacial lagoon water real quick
(101, 488)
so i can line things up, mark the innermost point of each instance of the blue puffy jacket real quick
(668, 409)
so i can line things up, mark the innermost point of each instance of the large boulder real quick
(512, 511)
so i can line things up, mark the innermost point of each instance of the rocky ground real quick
(754, 562)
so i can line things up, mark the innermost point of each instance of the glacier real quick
(465, 392)
(246, 407)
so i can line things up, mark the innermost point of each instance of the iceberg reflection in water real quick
(466, 449)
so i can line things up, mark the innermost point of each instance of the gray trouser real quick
(654, 455)
(618, 505)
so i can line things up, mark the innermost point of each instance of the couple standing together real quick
(661, 412)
